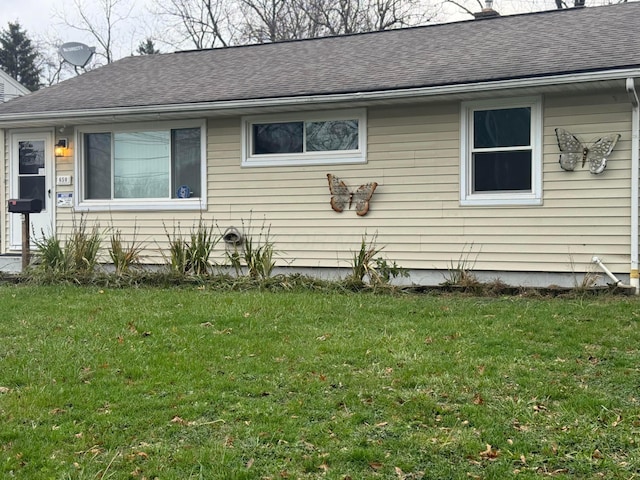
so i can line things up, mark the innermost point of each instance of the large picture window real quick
(305, 139)
(143, 166)
(501, 155)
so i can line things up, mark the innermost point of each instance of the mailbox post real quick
(25, 206)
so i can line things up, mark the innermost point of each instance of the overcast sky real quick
(42, 19)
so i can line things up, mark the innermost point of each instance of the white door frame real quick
(48, 215)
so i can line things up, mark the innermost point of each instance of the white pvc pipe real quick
(608, 272)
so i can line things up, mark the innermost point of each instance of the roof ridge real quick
(408, 28)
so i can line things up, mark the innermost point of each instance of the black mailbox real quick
(25, 205)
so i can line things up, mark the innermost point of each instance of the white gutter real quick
(9, 119)
(635, 180)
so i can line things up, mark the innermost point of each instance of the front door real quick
(31, 171)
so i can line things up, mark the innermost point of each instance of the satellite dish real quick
(76, 53)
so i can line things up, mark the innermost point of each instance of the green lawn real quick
(187, 383)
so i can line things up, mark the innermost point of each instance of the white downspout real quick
(3, 195)
(635, 180)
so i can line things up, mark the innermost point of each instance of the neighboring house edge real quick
(453, 132)
(10, 88)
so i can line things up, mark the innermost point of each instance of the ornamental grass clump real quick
(192, 257)
(124, 255)
(256, 253)
(77, 255)
(367, 264)
(203, 241)
(460, 273)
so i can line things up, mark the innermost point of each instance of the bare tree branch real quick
(102, 26)
(200, 23)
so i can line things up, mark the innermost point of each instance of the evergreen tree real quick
(147, 48)
(18, 56)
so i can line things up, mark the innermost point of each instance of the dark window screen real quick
(277, 138)
(499, 171)
(507, 127)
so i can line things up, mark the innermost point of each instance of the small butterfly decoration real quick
(573, 150)
(342, 197)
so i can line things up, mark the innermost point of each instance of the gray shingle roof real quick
(510, 47)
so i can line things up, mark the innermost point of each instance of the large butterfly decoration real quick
(342, 197)
(573, 150)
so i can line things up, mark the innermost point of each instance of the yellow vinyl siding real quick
(413, 154)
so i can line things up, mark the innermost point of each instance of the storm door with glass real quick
(31, 165)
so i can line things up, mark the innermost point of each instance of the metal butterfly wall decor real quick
(342, 197)
(573, 150)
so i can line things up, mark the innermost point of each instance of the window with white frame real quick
(148, 166)
(305, 138)
(501, 157)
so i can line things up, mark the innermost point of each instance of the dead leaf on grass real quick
(539, 408)
(136, 473)
(490, 453)
(180, 421)
(136, 455)
(559, 471)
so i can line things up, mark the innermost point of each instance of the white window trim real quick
(467, 197)
(141, 204)
(305, 158)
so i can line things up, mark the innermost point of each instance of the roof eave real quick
(113, 114)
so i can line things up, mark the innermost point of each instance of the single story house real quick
(459, 125)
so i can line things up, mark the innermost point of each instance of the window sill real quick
(494, 201)
(142, 205)
(302, 160)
